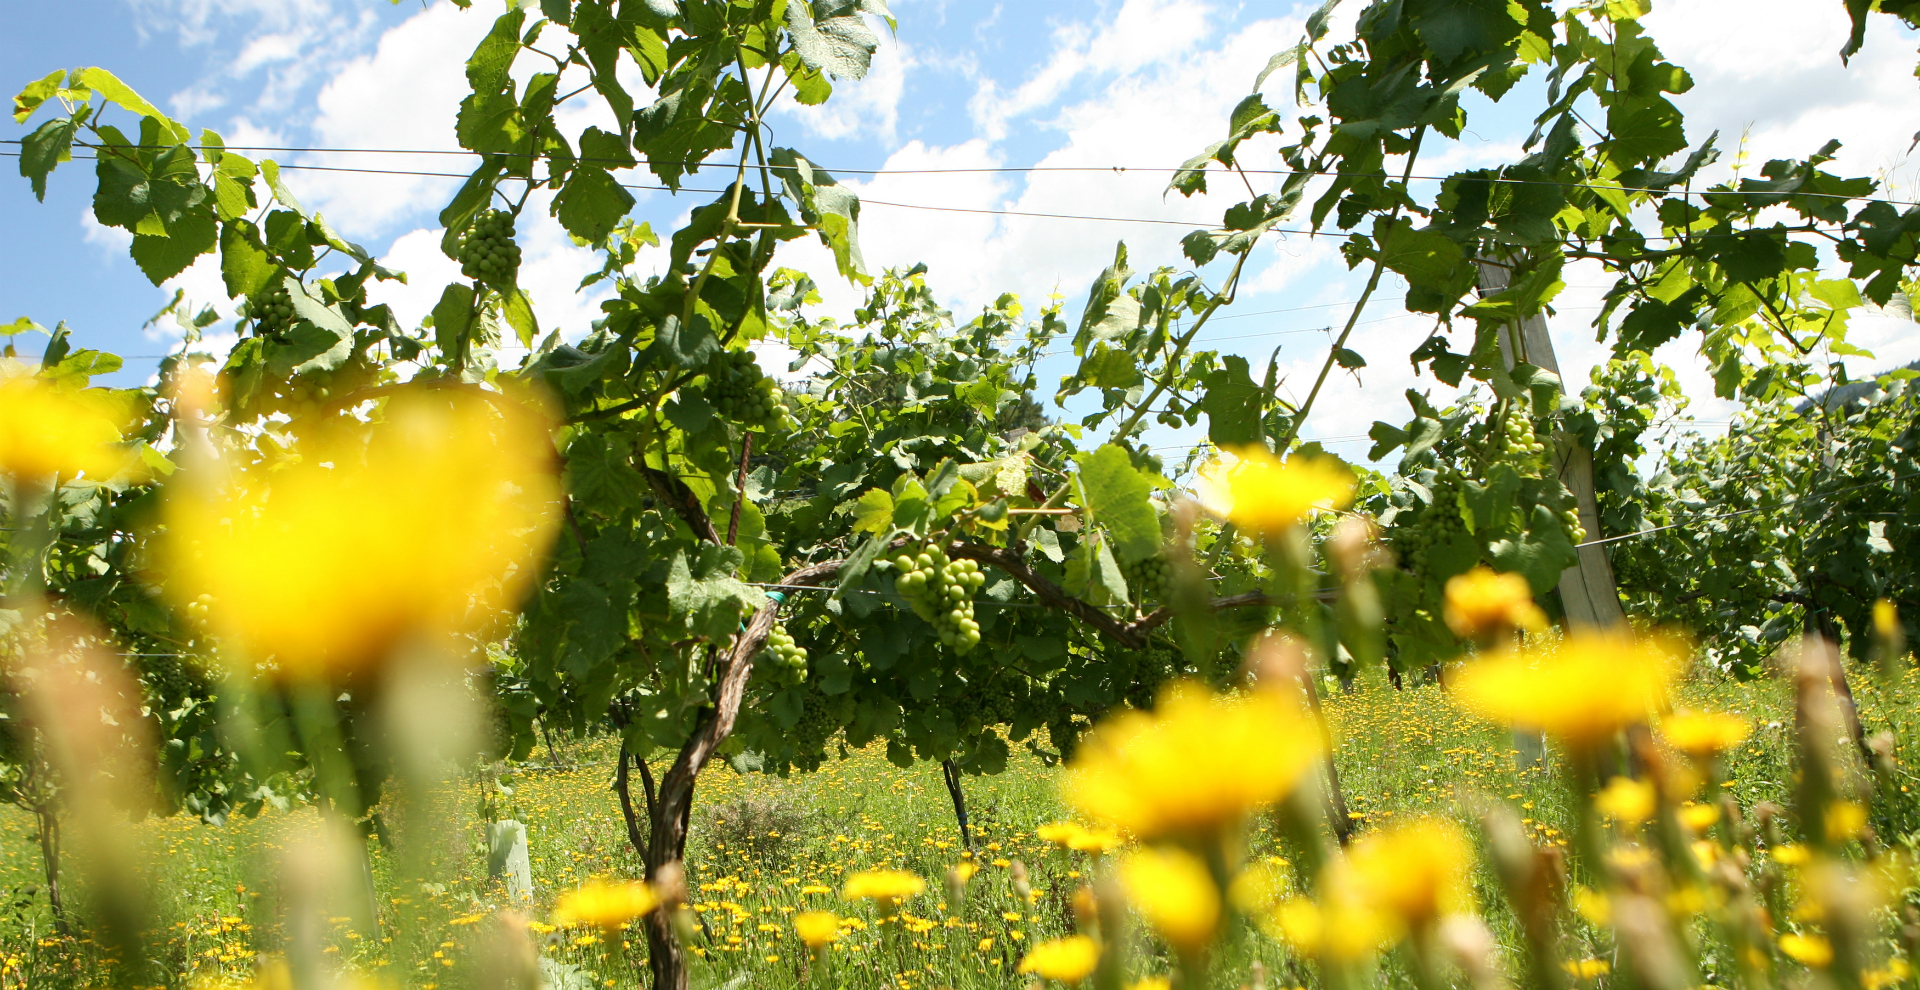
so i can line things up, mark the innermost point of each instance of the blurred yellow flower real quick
(1265, 494)
(1703, 734)
(48, 430)
(1594, 906)
(431, 521)
(1415, 871)
(1886, 618)
(1172, 889)
(1845, 820)
(1581, 690)
(1151, 983)
(1791, 854)
(1481, 603)
(1698, 817)
(816, 928)
(1587, 969)
(1258, 889)
(605, 905)
(1807, 950)
(1063, 960)
(1196, 766)
(1626, 800)
(1077, 837)
(1337, 931)
(884, 886)
(1060, 834)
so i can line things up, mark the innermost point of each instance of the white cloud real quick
(112, 242)
(402, 96)
(868, 107)
(1143, 33)
(1776, 68)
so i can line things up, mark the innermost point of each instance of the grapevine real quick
(488, 253)
(941, 592)
(741, 393)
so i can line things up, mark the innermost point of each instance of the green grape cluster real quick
(788, 656)
(487, 250)
(1437, 524)
(741, 393)
(1519, 442)
(1570, 521)
(1147, 579)
(272, 308)
(941, 592)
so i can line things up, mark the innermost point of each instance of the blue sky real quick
(1133, 83)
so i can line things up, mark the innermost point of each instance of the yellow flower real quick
(883, 886)
(47, 430)
(1340, 930)
(1581, 690)
(1482, 603)
(1627, 801)
(1594, 906)
(430, 522)
(1807, 950)
(1060, 834)
(1262, 493)
(1845, 820)
(1258, 889)
(961, 872)
(605, 905)
(1173, 890)
(1587, 969)
(1886, 619)
(1791, 854)
(816, 928)
(1151, 983)
(1698, 817)
(1196, 766)
(1703, 734)
(1095, 841)
(1415, 871)
(1063, 960)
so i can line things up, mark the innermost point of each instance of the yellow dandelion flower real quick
(1886, 618)
(1151, 983)
(1587, 969)
(1594, 906)
(883, 885)
(48, 430)
(1807, 950)
(1060, 834)
(1415, 871)
(605, 905)
(430, 522)
(1698, 817)
(1063, 960)
(1626, 800)
(1265, 494)
(1791, 854)
(1845, 820)
(1482, 603)
(816, 928)
(1174, 892)
(1196, 766)
(1580, 690)
(1703, 734)
(1095, 841)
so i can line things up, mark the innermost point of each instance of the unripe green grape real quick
(488, 253)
